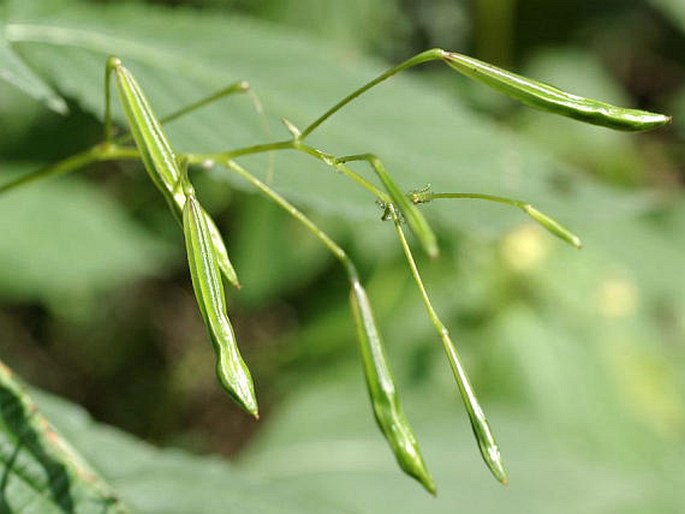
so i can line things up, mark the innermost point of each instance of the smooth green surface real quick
(549, 469)
(16, 72)
(81, 243)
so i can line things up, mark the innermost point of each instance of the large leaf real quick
(65, 239)
(15, 71)
(424, 135)
(337, 452)
(154, 481)
(42, 474)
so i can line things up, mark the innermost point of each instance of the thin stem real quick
(238, 87)
(429, 55)
(112, 62)
(291, 144)
(481, 428)
(97, 153)
(427, 196)
(272, 195)
(545, 221)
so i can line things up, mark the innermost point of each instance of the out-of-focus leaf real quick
(355, 24)
(337, 452)
(673, 9)
(15, 71)
(65, 239)
(273, 253)
(154, 481)
(41, 473)
(604, 151)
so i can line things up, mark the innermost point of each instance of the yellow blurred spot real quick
(617, 297)
(648, 386)
(525, 248)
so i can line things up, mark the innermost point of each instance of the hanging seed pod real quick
(381, 386)
(551, 99)
(553, 226)
(487, 444)
(231, 370)
(159, 158)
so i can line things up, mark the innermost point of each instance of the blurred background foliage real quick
(578, 356)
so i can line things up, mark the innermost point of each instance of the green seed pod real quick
(552, 226)
(551, 99)
(231, 370)
(386, 404)
(159, 158)
(487, 444)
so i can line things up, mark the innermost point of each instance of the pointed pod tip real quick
(421, 474)
(552, 226)
(249, 405)
(430, 486)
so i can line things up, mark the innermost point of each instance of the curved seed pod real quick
(487, 444)
(551, 99)
(553, 226)
(386, 405)
(159, 158)
(481, 428)
(204, 271)
(220, 251)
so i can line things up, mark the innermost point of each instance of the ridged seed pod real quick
(381, 386)
(159, 158)
(204, 270)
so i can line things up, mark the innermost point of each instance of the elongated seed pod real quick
(552, 226)
(381, 386)
(231, 370)
(159, 158)
(551, 99)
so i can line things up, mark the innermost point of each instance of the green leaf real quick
(337, 455)
(16, 72)
(66, 240)
(42, 474)
(154, 481)
(673, 9)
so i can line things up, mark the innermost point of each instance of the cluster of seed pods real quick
(208, 259)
